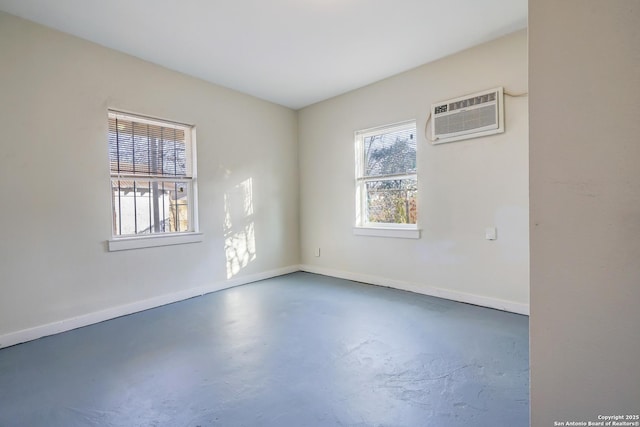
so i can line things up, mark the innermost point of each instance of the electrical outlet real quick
(317, 252)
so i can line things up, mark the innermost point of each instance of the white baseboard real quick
(496, 303)
(29, 334)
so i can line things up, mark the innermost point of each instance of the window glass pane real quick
(124, 199)
(178, 206)
(392, 201)
(148, 207)
(390, 153)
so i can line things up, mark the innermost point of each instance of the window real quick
(386, 181)
(153, 180)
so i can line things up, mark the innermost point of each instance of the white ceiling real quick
(291, 52)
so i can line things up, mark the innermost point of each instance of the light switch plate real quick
(490, 233)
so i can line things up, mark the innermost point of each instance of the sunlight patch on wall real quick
(239, 231)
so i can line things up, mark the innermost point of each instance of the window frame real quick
(364, 227)
(119, 242)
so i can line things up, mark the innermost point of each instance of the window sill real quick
(126, 243)
(400, 233)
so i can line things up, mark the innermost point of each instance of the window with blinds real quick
(152, 175)
(386, 176)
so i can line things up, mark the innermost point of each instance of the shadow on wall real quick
(239, 231)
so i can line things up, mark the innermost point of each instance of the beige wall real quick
(464, 186)
(584, 70)
(54, 179)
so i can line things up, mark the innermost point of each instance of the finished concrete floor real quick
(296, 350)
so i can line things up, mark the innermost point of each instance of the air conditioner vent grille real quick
(474, 119)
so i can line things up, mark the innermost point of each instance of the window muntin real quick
(152, 176)
(386, 176)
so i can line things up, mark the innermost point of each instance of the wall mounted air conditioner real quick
(469, 116)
